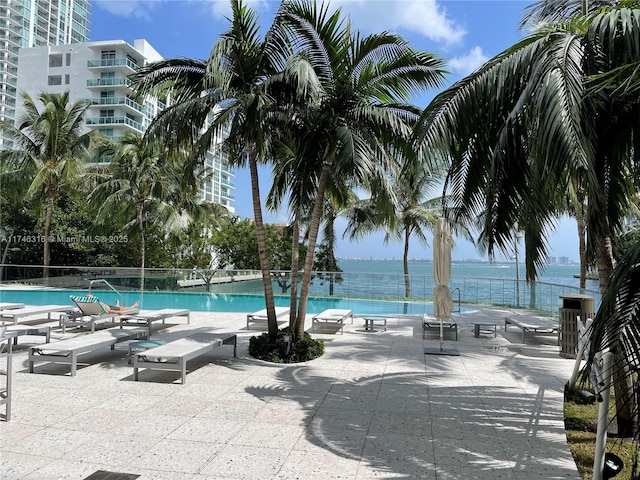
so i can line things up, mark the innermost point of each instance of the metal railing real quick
(351, 285)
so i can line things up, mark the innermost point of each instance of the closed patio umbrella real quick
(442, 300)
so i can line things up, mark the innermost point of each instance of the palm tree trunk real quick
(314, 227)
(622, 380)
(46, 254)
(296, 330)
(330, 232)
(405, 263)
(272, 323)
(142, 243)
(582, 248)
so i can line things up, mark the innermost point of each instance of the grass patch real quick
(303, 350)
(580, 424)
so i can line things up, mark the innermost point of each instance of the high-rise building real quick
(97, 72)
(30, 23)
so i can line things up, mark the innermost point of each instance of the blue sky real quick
(463, 32)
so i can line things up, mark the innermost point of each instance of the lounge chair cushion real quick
(89, 305)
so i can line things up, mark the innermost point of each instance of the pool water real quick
(211, 302)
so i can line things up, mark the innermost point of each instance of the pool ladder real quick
(102, 280)
(459, 304)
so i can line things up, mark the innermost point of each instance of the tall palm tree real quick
(526, 123)
(139, 189)
(233, 87)
(415, 212)
(366, 84)
(50, 148)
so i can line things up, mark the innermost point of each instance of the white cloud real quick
(128, 8)
(424, 17)
(466, 64)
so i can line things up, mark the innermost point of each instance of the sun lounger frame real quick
(147, 317)
(79, 319)
(19, 330)
(331, 316)
(173, 356)
(83, 316)
(430, 324)
(11, 305)
(6, 387)
(33, 310)
(67, 351)
(532, 324)
(260, 317)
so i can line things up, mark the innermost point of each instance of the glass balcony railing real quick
(112, 62)
(109, 82)
(114, 121)
(118, 101)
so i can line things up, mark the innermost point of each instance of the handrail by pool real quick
(102, 280)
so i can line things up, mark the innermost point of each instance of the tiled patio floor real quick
(374, 406)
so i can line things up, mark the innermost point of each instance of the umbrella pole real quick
(441, 335)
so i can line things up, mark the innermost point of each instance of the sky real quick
(465, 33)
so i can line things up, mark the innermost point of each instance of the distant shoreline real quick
(458, 260)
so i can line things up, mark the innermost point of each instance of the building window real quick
(108, 55)
(55, 60)
(54, 80)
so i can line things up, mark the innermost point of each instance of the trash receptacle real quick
(573, 306)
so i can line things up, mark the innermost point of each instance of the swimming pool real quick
(212, 302)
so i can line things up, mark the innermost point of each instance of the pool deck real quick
(374, 406)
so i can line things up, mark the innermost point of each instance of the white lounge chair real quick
(67, 351)
(531, 323)
(18, 330)
(330, 317)
(260, 317)
(10, 306)
(149, 316)
(431, 324)
(89, 312)
(17, 314)
(173, 356)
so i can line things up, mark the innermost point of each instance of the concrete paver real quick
(374, 406)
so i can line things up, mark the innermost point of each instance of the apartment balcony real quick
(18, 9)
(18, 30)
(118, 101)
(14, 19)
(227, 183)
(126, 63)
(137, 126)
(12, 50)
(109, 82)
(227, 196)
(226, 169)
(8, 102)
(4, 68)
(18, 41)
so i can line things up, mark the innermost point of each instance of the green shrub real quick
(303, 350)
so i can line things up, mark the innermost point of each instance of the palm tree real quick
(50, 148)
(526, 123)
(361, 108)
(233, 87)
(139, 189)
(415, 211)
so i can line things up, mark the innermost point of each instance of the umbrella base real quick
(444, 351)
